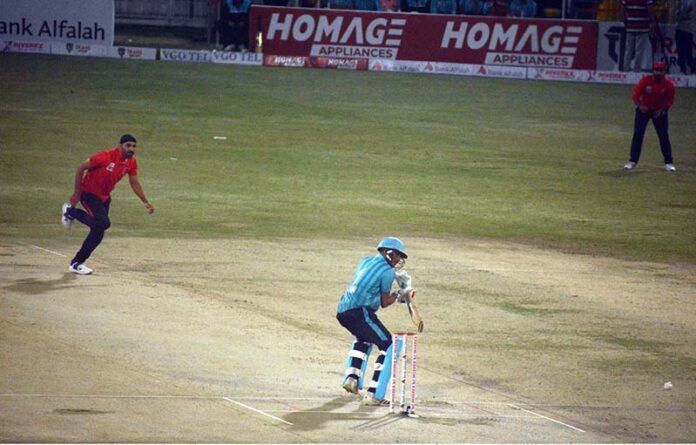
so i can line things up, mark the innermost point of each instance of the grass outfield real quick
(335, 154)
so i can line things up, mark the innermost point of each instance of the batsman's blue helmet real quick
(394, 244)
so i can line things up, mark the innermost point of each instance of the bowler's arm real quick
(79, 174)
(138, 190)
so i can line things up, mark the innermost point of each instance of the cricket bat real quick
(413, 312)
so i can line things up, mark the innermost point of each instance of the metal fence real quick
(202, 13)
(190, 13)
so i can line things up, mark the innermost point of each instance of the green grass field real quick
(328, 154)
(258, 234)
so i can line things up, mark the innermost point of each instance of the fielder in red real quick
(653, 96)
(94, 181)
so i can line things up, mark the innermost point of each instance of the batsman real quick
(370, 290)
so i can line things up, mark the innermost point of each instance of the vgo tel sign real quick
(425, 37)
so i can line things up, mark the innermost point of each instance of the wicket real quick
(402, 351)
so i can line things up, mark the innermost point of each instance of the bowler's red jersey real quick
(107, 168)
(655, 96)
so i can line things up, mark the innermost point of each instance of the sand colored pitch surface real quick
(236, 341)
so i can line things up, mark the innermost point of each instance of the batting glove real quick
(403, 279)
(403, 293)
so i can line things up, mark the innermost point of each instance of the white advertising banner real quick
(20, 46)
(399, 66)
(237, 58)
(79, 49)
(614, 77)
(507, 72)
(557, 74)
(682, 81)
(611, 45)
(85, 22)
(185, 55)
(457, 69)
(461, 69)
(129, 52)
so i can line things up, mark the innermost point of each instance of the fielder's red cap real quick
(659, 66)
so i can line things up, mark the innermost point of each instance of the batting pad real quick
(363, 368)
(356, 353)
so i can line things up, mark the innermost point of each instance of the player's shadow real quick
(315, 418)
(35, 286)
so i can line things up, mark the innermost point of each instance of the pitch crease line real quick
(256, 410)
(49, 251)
(547, 418)
(99, 263)
(430, 412)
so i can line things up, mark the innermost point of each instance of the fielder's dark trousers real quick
(661, 127)
(96, 217)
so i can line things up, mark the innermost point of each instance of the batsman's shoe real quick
(670, 168)
(350, 385)
(79, 269)
(369, 399)
(630, 165)
(66, 218)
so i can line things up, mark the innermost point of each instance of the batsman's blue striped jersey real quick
(373, 277)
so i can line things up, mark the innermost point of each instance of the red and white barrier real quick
(490, 41)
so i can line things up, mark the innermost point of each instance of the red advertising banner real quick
(344, 34)
(316, 62)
